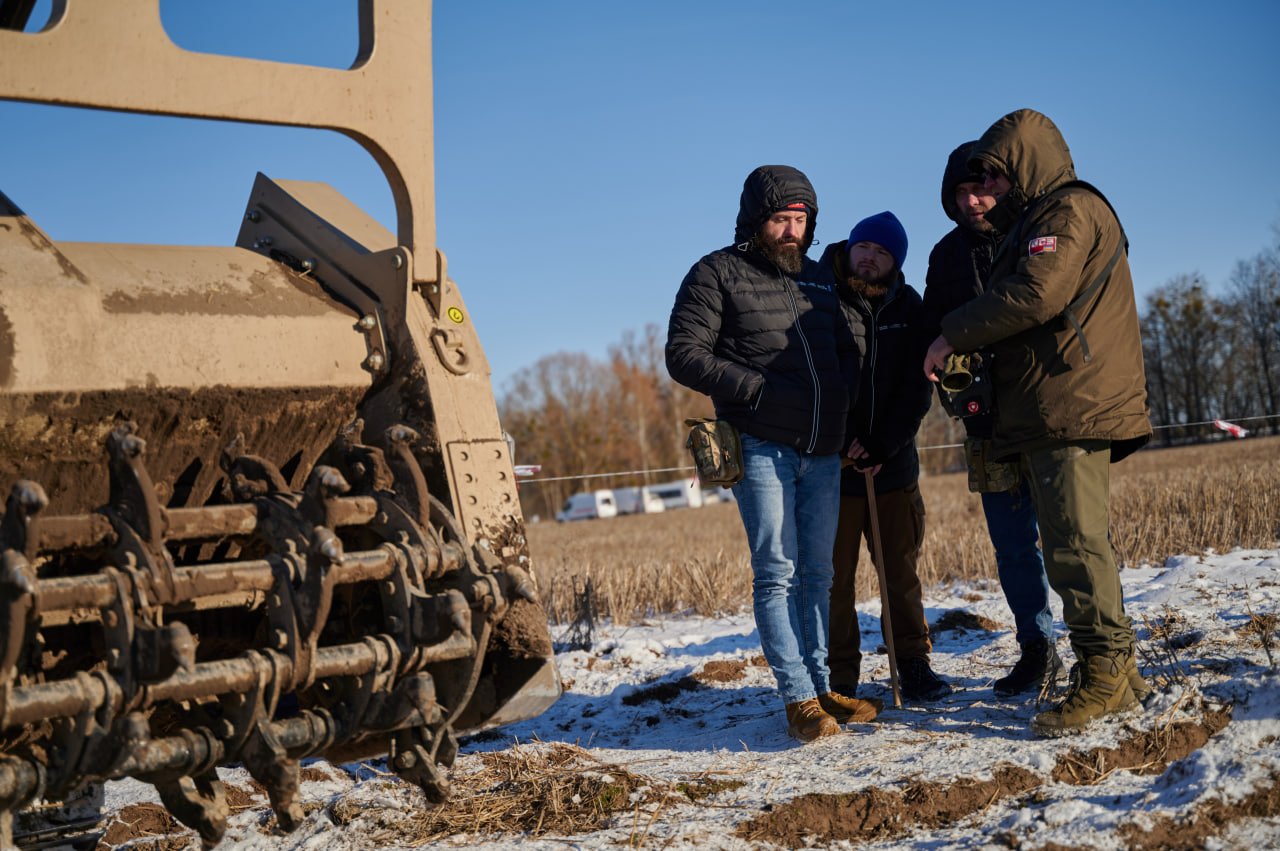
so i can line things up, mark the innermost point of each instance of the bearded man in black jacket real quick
(959, 268)
(884, 311)
(757, 327)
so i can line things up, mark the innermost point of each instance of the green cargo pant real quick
(1071, 488)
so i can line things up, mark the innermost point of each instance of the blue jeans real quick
(1011, 522)
(790, 504)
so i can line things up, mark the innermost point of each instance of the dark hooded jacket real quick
(772, 350)
(893, 394)
(1054, 382)
(959, 265)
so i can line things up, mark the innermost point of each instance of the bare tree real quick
(558, 412)
(574, 415)
(1255, 290)
(1155, 331)
(1183, 327)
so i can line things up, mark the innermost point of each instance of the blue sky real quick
(588, 152)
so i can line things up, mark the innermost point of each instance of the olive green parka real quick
(1054, 381)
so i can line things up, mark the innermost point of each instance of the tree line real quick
(1210, 356)
(1207, 356)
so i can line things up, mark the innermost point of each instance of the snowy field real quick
(673, 733)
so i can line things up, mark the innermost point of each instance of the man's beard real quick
(787, 256)
(874, 287)
(978, 225)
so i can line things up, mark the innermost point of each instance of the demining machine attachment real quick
(260, 505)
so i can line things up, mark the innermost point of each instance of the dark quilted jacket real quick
(772, 350)
(893, 393)
(959, 266)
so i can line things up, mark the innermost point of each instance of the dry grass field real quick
(1164, 502)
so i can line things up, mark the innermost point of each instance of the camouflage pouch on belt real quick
(986, 475)
(716, 451)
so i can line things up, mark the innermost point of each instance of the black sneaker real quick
(1038, 669)
(917, 680)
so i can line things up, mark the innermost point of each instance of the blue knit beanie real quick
(885, 230)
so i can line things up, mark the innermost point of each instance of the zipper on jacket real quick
(808, 356)
(874, 348)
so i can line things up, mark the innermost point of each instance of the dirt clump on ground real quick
(1145, 752)
(244, 799)
(1208, 819)
(147, 827)
(966, 621)
(661, 691)
(874, 814)
(727, 670)
(314, 773)
(877, 814)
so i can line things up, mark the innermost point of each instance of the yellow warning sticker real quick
(455, 314)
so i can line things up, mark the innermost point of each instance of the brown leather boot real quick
(846, 709)
(806, 721)
(1141, 688)
(1100, 686)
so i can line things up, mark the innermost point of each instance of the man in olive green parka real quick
(1060, 324)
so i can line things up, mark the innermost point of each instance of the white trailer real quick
(682, 493)
(588, 505)
(639, 500)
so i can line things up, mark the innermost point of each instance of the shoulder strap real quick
(1070, 312)
(1079, 301)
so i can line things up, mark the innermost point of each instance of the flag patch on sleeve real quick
(1042, 245)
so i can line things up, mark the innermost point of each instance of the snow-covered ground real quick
(681, 700)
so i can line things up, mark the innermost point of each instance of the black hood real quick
(768, 189)
(958, 171)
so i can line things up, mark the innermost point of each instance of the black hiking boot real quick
(918, 681)
(1038, 669)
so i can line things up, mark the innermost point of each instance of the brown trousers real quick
(901, 514)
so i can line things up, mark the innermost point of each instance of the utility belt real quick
(987, 475)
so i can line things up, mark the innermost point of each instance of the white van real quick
(640, 500)
(588, 505)
(682, 493)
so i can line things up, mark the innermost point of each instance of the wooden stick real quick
(885, 620)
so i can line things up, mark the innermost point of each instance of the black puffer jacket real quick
(772, 350)
(894, 395)
(959, 266)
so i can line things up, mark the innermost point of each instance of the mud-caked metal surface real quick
(258, 505)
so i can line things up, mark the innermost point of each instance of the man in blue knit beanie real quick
(884, 230)
(884, 312)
